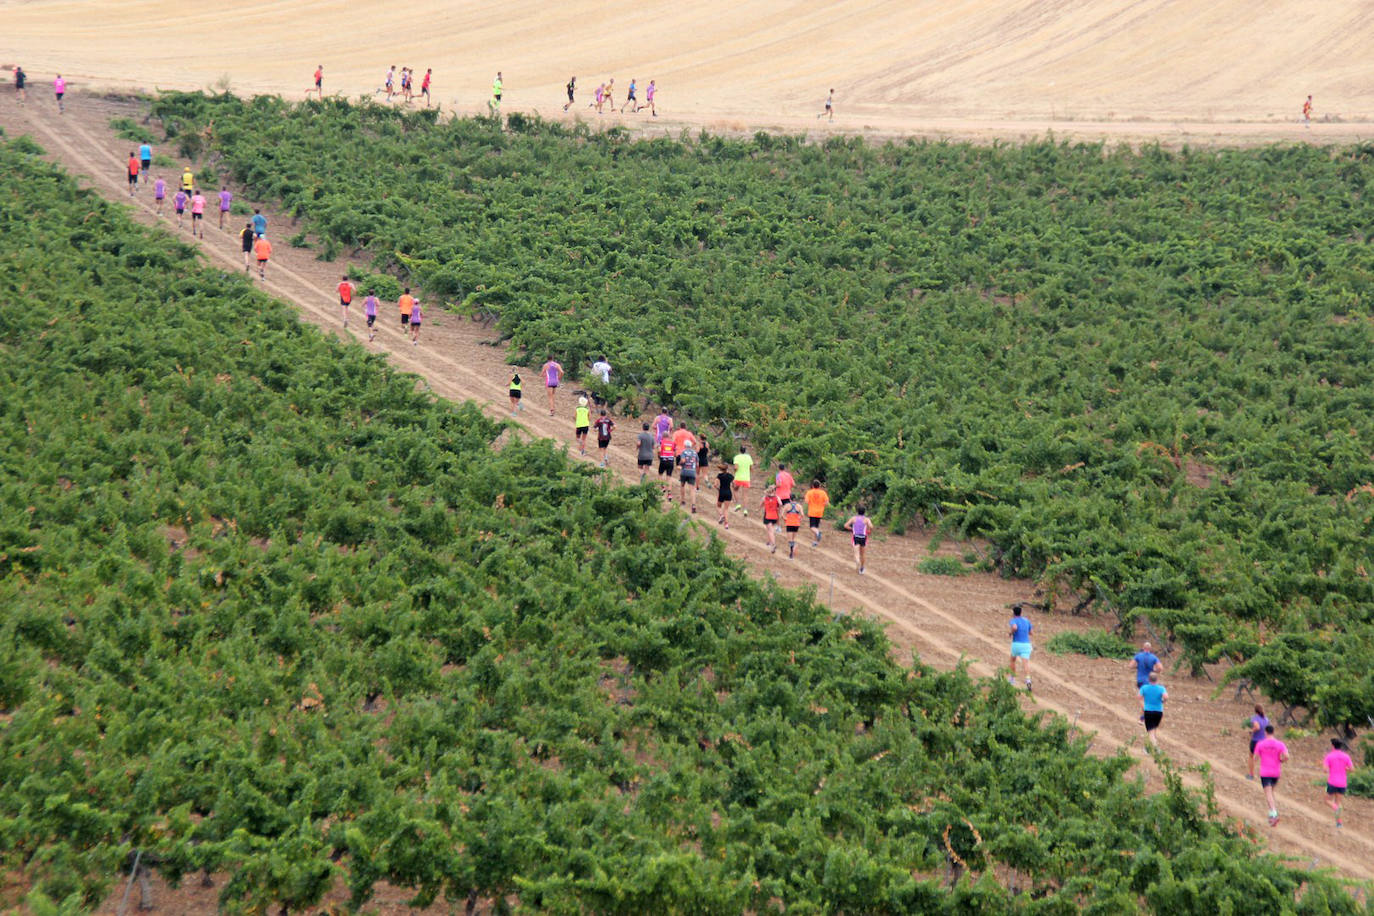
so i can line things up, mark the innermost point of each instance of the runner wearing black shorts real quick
(246, 239)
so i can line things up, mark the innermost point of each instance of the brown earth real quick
(944, 619)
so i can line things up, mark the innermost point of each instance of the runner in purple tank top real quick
(553, 376)
(370, 311)
(859, 528)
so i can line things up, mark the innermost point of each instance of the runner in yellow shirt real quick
(743, 463)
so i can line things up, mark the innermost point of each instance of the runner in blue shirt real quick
(1020, 629)
(1152, 697)
(1144, 663)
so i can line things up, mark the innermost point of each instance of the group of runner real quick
(604, 97)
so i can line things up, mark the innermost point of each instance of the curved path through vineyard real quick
(945, 619)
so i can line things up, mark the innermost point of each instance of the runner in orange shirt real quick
(262, 250)
(816, 501)
(133, 174)
(791, 520)
(406, 302)
(345, 297)
(1307, 112)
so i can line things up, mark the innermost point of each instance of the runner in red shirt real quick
(345, 297)
(424, 85)
(771, 507)
(133, 174)
(319, 83)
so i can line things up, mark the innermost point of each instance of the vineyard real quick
(276, 614)
(1142, 376)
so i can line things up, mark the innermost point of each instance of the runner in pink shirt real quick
(225, 199)
(784, 482)
(59, 88)
(198, 213)
(1271, 753)
(159, 194)
(1338, 766)
(370, 310)
(553, 375)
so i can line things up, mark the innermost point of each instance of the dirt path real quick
(945, 619)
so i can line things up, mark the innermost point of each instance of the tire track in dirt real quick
(88, 156)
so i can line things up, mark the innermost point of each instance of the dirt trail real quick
(946, 620)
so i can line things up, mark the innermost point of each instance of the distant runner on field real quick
(816, 501)
(1020, 629)
(572, 90)
(600, 97)
(1152, 697)
(1307, 112)
(582, 422)
(390, 82)
(405, 303)
(610, 93)
(20, 78)
(649, 97)
(262, 250)
(604, 424)
(346, 290)
(198, 213)
(497, 88)
(319, 83)
(630, 99)
(516, 390)
(553, 376)
(159, 194)
(370, 313)
(1338, 765)
(226, 198)
(246, 240)
(859, 527)
(424, 84)
(59, 88)
(688, 463)
(829, 107)
(1271, 754)
(644, 457)
(133, 173)
(179, 202)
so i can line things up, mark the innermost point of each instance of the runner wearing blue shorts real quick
(1020, 629)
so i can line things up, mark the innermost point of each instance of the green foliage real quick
(942, 566)
(128, 129)
(1092, 643)
(270, 611)
(1141, 372)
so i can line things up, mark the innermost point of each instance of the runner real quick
(663, 424)
(1271, 753)
(572, 90)
(262, 250)
(743, 463)
(1257, 723)
(791, 520)
(370, 313)
(417, 318)
(680, 436)
(497, 88)
(703, 453)
(1338, 765)
(197, 213)
(829, 107)
(688, 463)
(784, 482)
(390, 82)
(405, 84)
(816, 501)
(406, 304)
(604, 424)
(1152, 697)
(553, 375)
(1020, 629)
(644, 458)
(600, 97)
(630, 98)
(649, 97)
(159, 194)
(1144, 662)
(59, 88)
(602, 370)
(859, 528)
(1307, 112)
(226, 197)
(246, 239)
(516, 391)
(424, 84)
(582, 421)
(346, 290)
(610, 93)
(319, 83)
(724, 495)
(188, 181)
(667, 456)
(771, 507)
(20, 77)
(145, 159)
(179, 202)
(133, 174)
(259, 222)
